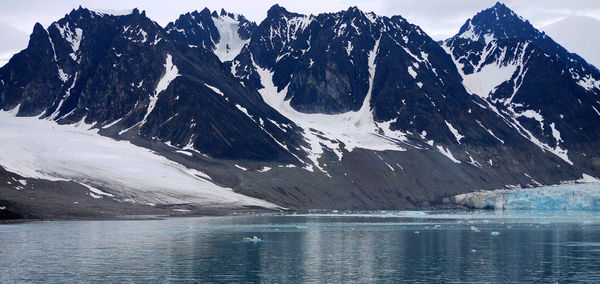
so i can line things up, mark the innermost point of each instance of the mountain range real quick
(346, 110)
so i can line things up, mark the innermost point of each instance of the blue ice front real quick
(562, 197)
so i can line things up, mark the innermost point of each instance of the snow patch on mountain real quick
(171, 72)
(455, 132)
(487, 77)
(345, 131)
(62, 100)
(447, 153)
(215, 89)
(38, 148)
(230, 43)
(72, 36)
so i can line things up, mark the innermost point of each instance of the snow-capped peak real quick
(495, 22)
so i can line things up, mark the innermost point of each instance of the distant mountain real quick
(336, 110)
(578, 34)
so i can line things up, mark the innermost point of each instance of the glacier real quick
(573, 196)
(43, 149)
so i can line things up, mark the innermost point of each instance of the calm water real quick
(371, 247)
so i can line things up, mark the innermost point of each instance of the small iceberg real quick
(254, 239)
(494, 233)
(475, 229)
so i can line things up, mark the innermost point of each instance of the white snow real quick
(588, 83)
(65, 97)
(355, 129)
(585, 178)
(240, 167)
(447, 153)
(214, 89)
(62, 75)
(597, 112)
(349, 49)
(486, 78)
(185, 153)
(555, 133)
(171, 73)
(490, 132)
(391, 168)
(156, 40)
(144, 35)
(96, 193)
(37, 148)
(244, 110)
(72, 37)
(264, 169)
(230, 44)
(483, 82)
(182, 210)
(457, 135)
(470, 33)
(412, 72)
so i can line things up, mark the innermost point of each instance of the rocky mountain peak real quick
(276, 11)
(497, 22)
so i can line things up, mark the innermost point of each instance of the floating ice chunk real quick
(254, 239)
(494, 233)
(417, 232)
(416, 213)
(2, 207)
(475, 229)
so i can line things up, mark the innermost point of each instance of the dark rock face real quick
(339, 110)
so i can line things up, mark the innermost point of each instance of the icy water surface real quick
(431, 246)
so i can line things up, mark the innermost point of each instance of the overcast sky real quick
(439, 18)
